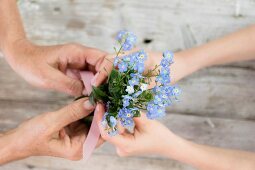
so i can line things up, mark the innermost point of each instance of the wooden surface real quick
(217, 106)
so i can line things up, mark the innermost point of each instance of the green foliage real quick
(146, 96)
(116, 83)
(98, 94)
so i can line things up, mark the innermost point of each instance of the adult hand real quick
(58, 134)
(47, 66)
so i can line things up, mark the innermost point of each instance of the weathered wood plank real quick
(94, 22)
(97, 162)
(219, 92)
(223, 92)
(218, 132)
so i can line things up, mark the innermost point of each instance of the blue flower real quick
(136, 75)
(126, 100)
(139, 67)
(104, 121)
(125, 113)
(133, 82)
(163, 79)
(131, 38)
(141, 56)
(126, 117)
(127, 46)
(122, 66)
(113, 132)
(165, 71)
(176, 91)
(121, 35)
(137, 94)
(164, 63)
(130, 60)
(169, 56)
(127, 39)
(116, 61)
(155, 111)
(158, 100)
(113, 121)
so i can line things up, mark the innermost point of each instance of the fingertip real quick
(94, 81)
(88, 106)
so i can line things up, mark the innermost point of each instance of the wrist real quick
(185, 63)
(15, 51)
(7, 149)
(193, 58)
(184, 151)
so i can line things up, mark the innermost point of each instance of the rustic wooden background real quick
(217, 106)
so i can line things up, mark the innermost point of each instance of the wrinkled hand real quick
(58, 133)
(149, 137)
(47, 66)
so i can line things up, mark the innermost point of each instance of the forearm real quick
(7, 151)
(210, 158)
(238, 46)
(11, 28)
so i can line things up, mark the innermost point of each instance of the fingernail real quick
(88, 105)
(93, 81)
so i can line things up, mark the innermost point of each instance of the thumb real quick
(61, 82)
(117, 140)
(103, 69)
(70, 113)
(141, 122)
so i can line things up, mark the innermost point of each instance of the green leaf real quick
(92, 99)
(114, 74)
(115, 84)
(146, 95)
(99, 94)
(137, 113)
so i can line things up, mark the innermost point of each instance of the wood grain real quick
(217, 106)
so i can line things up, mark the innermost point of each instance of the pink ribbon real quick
(94, 133)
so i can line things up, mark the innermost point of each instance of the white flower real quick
(130, 89)
(144, 86)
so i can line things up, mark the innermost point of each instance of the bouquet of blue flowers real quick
(126, 91)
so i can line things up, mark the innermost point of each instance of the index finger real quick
(70, 113)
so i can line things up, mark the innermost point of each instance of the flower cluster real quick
(126, 93)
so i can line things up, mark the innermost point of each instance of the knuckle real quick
(73, 86)
(74, 111)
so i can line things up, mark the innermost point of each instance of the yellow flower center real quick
(141, 56)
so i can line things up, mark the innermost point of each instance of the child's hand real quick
(178, 69)
(149, 137)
